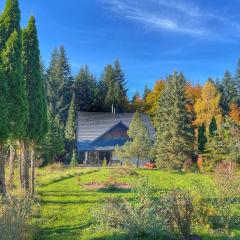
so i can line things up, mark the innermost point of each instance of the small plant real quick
(74, 161)
(104, 163)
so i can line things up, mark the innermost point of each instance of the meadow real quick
(68, 204)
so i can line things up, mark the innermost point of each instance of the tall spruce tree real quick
(59, 84)
(85, 90)
(237, 80)
(175, 136)
(120, 78)
(227, 88)
(37, 121)
(146, 91)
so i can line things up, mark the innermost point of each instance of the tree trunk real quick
(3, 190)
(32, 166)
(24, 166)
(137, 162)
(11, 166)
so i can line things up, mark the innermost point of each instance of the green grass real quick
(67, 206)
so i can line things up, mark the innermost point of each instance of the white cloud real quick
(179, 16)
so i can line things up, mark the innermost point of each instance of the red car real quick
(150, 166)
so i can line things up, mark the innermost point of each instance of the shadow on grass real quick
(114, 190)
(70, 202)
(68, 230)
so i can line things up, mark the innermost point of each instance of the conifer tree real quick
(174, 130)
(74, 161)
(9, 21)
(237, 79)
(4, 129)
(70, 127)
(147, 90)
(17, 98)
(120, 78)
(59, 84)
(202, 139)
(37, 122)
(213, 126)
(54, 139)
(85, 90)
(227, 88)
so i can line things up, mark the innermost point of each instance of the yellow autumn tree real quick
(151, 102)
(234, 112)
(207, 106)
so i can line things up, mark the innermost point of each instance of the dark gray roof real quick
(91, 125)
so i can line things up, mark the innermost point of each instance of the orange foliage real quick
(151, 102)
(207, 106)
(235, 112)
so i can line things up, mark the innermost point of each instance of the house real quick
(98, 134)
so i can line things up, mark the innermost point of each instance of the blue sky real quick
(150, 37)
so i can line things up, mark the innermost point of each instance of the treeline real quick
(192, 120)
(68, 94)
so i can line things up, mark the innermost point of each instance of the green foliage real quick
(224, 144)
(74, 161)
(17, 96)
(71, 122)
(104, 163)
(4, 122)
(227, 88)
(54, 142)
(9, 21)
(59, 84)
(139, 146)
(86, 90)
(114, 84)
(175, 136)
(141, 218)
(37, 127)
(202, 139)
(213, 127)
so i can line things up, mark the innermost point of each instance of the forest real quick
(39, 104)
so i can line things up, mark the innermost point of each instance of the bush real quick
(54, 167)
(142, 217)
(124, 172)
(17, 218)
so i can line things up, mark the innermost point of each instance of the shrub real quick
(124, 172)
(17, 218)
(143, 217)
(104, 163)
(54, 167)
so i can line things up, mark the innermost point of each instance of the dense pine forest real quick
(197, 131)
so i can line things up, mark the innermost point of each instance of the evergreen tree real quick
(237, 79)
(74, 161)
(174, 130)
(59, 84)
(37, 122)
(139, 147)
(9, 21)
(120, 78)
(85, 90)
(213, 127)
(147, 90)
(4, 129)
(55, 139)
(227, 88)
(202, 139)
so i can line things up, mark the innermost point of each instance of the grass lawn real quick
(67, 205)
